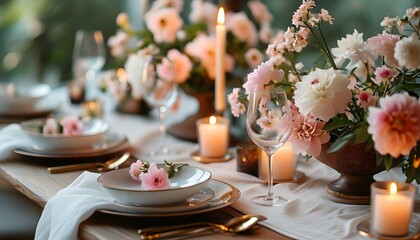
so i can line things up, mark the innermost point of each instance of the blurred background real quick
(37, 37)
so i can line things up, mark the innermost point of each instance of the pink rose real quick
(136, 170)
(71, 126)
(50, 127)
(155, 178)
(164, 23)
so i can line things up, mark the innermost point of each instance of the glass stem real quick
(162, 127)
(269, 196)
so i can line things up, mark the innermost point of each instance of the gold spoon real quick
(111, 164)
(234, 225)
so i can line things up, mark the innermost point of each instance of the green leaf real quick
(361, 134)
(337, 123)
(410, 86)
(340, 142)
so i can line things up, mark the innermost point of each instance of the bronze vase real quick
(356, 167)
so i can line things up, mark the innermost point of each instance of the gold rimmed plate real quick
(225, 194)
(112, 143)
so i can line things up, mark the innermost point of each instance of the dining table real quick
(310, 214)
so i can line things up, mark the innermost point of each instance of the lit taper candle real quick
(220, 104)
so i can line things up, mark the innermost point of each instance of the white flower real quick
(407, 52)
(323, 93)
(353, 48)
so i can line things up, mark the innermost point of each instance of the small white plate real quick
(119, 185)
(21, 98)
(110, 144)
(94, 131)
(224, 195)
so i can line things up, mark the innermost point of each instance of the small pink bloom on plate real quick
(394, 125)
(136, 170)
(71, 126)
(50, 127)
(156, 178)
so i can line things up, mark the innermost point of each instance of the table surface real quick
(30, 176)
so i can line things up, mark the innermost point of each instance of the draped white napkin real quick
(12, 137)
(72, 205)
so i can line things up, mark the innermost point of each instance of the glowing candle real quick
(284, 163)
(220, 61)
(391, 208)
(213, 136)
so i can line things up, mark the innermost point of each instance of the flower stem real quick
(327, 49)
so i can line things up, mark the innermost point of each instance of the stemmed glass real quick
(88, 58)
(160, 91)
(268, 123)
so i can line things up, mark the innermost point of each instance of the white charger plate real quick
(224, 195)
(119, 185)
(110, 144)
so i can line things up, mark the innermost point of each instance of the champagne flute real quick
(268, 123)
(88, 59)
(160, 91)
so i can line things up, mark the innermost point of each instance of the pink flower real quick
(262, 76)
(203, 11)
(176, 67)
(259, 11)
(164, 23)
(253, 57)
(155, 178)
(383, 45)
(307, 134)
(242, 28)
(236, 107)
(325, 16)
(136, 170)
(394, 125)
(71, 126)
(384, 74)
(118, 44)
(266, 33)
(203, 49)
(407, 52)
(365, 99)
(323, 93)
(50, 127)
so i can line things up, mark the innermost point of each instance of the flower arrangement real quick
(152, 177)
(191, 44)
(67, 126)
(364, 92)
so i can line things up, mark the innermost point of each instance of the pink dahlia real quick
(71, 126)
(383, 45)
(395, 124)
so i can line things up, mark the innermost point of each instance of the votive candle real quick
(392, 205)
(213, 136)
(284, 163)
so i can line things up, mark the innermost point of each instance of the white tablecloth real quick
(309, 215)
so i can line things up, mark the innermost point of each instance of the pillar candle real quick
(391, 208)
(213, 136)
(284, 163)
(220, 104)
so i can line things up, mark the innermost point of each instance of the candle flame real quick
(121, 75)
(393, 188)
(221, 16)
(212, 120)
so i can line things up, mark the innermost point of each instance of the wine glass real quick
(88, 58)
(268, 123)
(160, 91)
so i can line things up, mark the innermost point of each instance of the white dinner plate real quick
(188, 181)
(224, 195)
(94, 130)
(110, 144)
